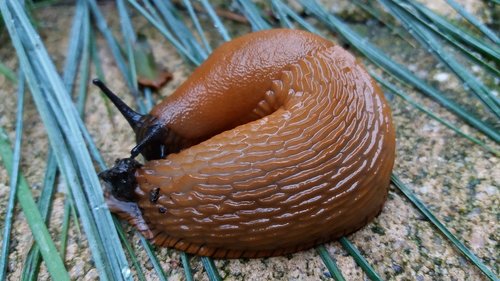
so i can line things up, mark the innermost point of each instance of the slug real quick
(278, 142)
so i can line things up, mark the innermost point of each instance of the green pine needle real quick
(54, 264)
(441, 227)
(13, 179)
(7, 72)
(197, 25)
(187, 267)
(379, 58)
(217, 22)
(33, 259)
(211, 269)
(427, 39)
(53, 99)
(152, 258)
(253, 15)
(360, 260)
(474, 21)
(427, 111)
(488, 50)
(330, 263)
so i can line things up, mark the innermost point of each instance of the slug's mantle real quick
(279, 141)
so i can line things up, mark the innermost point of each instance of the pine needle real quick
(54, 264)
(427, 39)
(330, 263)
(34, 259)
(427, 111)
(164, 31)
(441, 227)
(53, 99)
(360, 260)
(379, 58)
(217, 22)
(152, 258)
(473, 56)
(13, 179)
(7, 72)
(211, 269)
(478, 45)
(253, 15)
(187, 267)
(197, 25)
(474, 21)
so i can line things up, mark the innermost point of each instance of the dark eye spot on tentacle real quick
(154, 194)
(162, 210)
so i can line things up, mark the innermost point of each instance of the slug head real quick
(120, 179)
(150, 132)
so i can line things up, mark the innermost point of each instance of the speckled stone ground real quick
(458, 180)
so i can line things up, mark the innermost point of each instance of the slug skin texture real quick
(283, 142)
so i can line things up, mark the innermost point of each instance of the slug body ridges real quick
(288, 144)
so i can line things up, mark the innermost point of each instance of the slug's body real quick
(282, 142)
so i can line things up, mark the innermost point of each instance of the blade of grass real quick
(441, 227)
(360, 260)
(94, 53)
(54, 264)
(5, 71)
(379, 58)
(211, 269)
(84, 67)
(427, 111)
(330, 263)
(428, 40)
(474, 21)
(4, 256)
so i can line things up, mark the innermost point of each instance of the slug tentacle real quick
(284, 142)
(133, 118)
(152, 138)
(150, 133)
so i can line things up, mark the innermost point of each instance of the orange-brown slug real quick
(279, 141)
